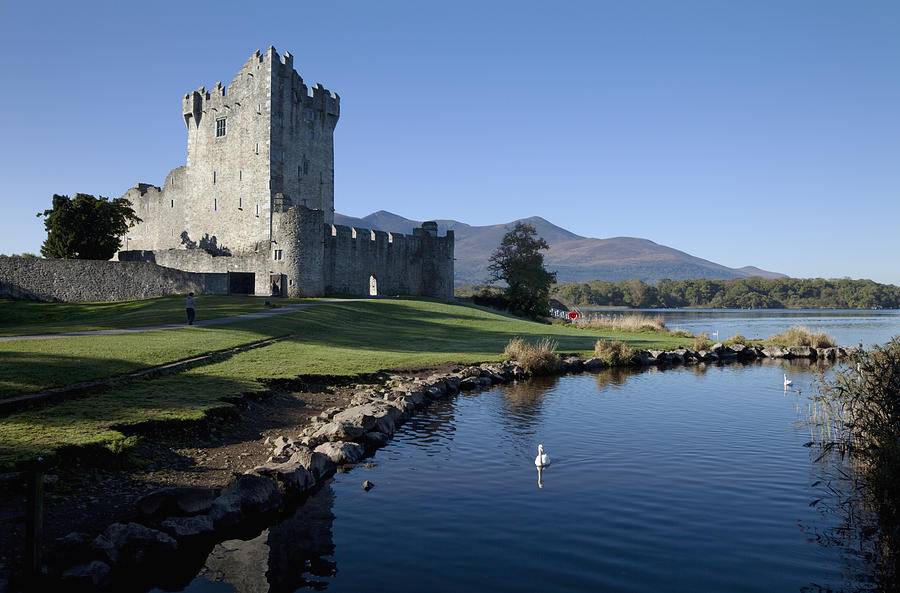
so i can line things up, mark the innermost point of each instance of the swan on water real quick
(542, 459)
(787, 381)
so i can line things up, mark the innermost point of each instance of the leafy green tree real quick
(85, 227)
(519, 262)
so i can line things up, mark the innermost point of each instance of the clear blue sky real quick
(747, 132)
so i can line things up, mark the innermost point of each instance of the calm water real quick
(846, 326)
(688, 479)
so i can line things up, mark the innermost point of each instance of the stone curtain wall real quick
(73, 280)
(419, 265)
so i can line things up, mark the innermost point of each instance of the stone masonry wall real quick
(78, 280)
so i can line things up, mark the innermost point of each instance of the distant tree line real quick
(738, 293)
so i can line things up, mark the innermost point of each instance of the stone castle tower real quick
(256, 198)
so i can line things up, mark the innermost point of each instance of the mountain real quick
(573, 257)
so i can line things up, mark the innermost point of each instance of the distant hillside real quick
(574, 258)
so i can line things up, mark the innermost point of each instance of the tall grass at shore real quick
(537, 359)
(613, 352)
(632, 322)
(799, 335)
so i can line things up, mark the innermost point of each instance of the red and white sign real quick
(573, 315)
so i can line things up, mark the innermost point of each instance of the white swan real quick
(542, 459)
(787, 381)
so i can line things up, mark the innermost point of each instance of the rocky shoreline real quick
(174, 520)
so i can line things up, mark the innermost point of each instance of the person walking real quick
(189, 307)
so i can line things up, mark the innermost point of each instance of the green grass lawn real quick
(337, 339)
(22, 318)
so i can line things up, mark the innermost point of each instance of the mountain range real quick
(574, 258)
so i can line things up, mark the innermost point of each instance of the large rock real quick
(249, 495)
(376, 440)
(774, 352)
(226, 511)
(646, 357)
(341, 453)
(177, 501)
(133, 544)
(337, 430)
(826, 353)
(188, 527)
(802, 352)
(292, 477)
(592, 365)
(319, 465)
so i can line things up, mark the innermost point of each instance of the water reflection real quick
(294, 554)
(540, 476)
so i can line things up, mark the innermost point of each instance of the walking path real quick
(202, 323)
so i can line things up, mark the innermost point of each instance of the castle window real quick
(259, 107)
(277, 254)
(257, 213)
(214, 175)
(309, 115)
(220, 127)
(305, 167)
(299, 171)
(321, 177)
(240, 203)
(171, 203)
(312, 134)
(257, 148)
(240, 175)
(215, 204)
(281, 156)
(280, 120)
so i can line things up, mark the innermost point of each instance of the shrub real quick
(632, 322)
(682, 333)
(537, 359)
(799, 335)
(613, 353)
(701, 342)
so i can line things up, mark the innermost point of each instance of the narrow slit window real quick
(214, 175)
(240, 174)
(215, 204)
(257, 213)
(240, 203)
(276, 255)
(171, 203)
(257, 148)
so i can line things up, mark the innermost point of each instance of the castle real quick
(255, 199)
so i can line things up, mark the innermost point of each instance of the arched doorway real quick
(373, 286)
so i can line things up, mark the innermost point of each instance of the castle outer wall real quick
(87, 281)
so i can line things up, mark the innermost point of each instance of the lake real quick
(688, 479)
(847, 326)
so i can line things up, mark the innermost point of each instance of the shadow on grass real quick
(30, 372)
(399, 327)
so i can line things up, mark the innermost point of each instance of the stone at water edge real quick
(367, 485)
